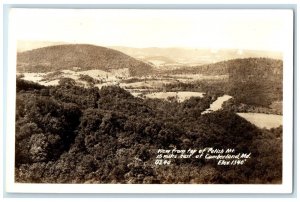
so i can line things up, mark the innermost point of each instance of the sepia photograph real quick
(150, 96)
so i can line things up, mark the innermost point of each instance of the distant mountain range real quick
(192, 57)
(170, 56)
(79, 56)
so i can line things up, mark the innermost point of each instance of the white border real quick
(285, 187)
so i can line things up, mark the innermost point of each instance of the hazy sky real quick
(215, 29)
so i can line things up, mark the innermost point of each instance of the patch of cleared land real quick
(52, 78)
(216, 105)
(35, 77)
(267, 121)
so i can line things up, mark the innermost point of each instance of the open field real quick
(217, 104)
(267, 121)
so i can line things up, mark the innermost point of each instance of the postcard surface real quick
(137, 100)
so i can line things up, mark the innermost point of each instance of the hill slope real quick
(236, 68)
(254, 81)
(78, 55)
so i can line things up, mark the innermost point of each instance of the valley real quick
(103, 113)
(151, 86)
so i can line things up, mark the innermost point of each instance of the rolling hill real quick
(78, 56)
(242, 67)
(253, 81)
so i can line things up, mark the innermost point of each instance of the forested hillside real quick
(71, 134)
(245, 66)
(251, 81)
(79, 56)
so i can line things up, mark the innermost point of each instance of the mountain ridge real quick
(196, 56)
(79, 56)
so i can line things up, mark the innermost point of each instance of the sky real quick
(213, 29)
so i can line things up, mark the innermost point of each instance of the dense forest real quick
(70, 134)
